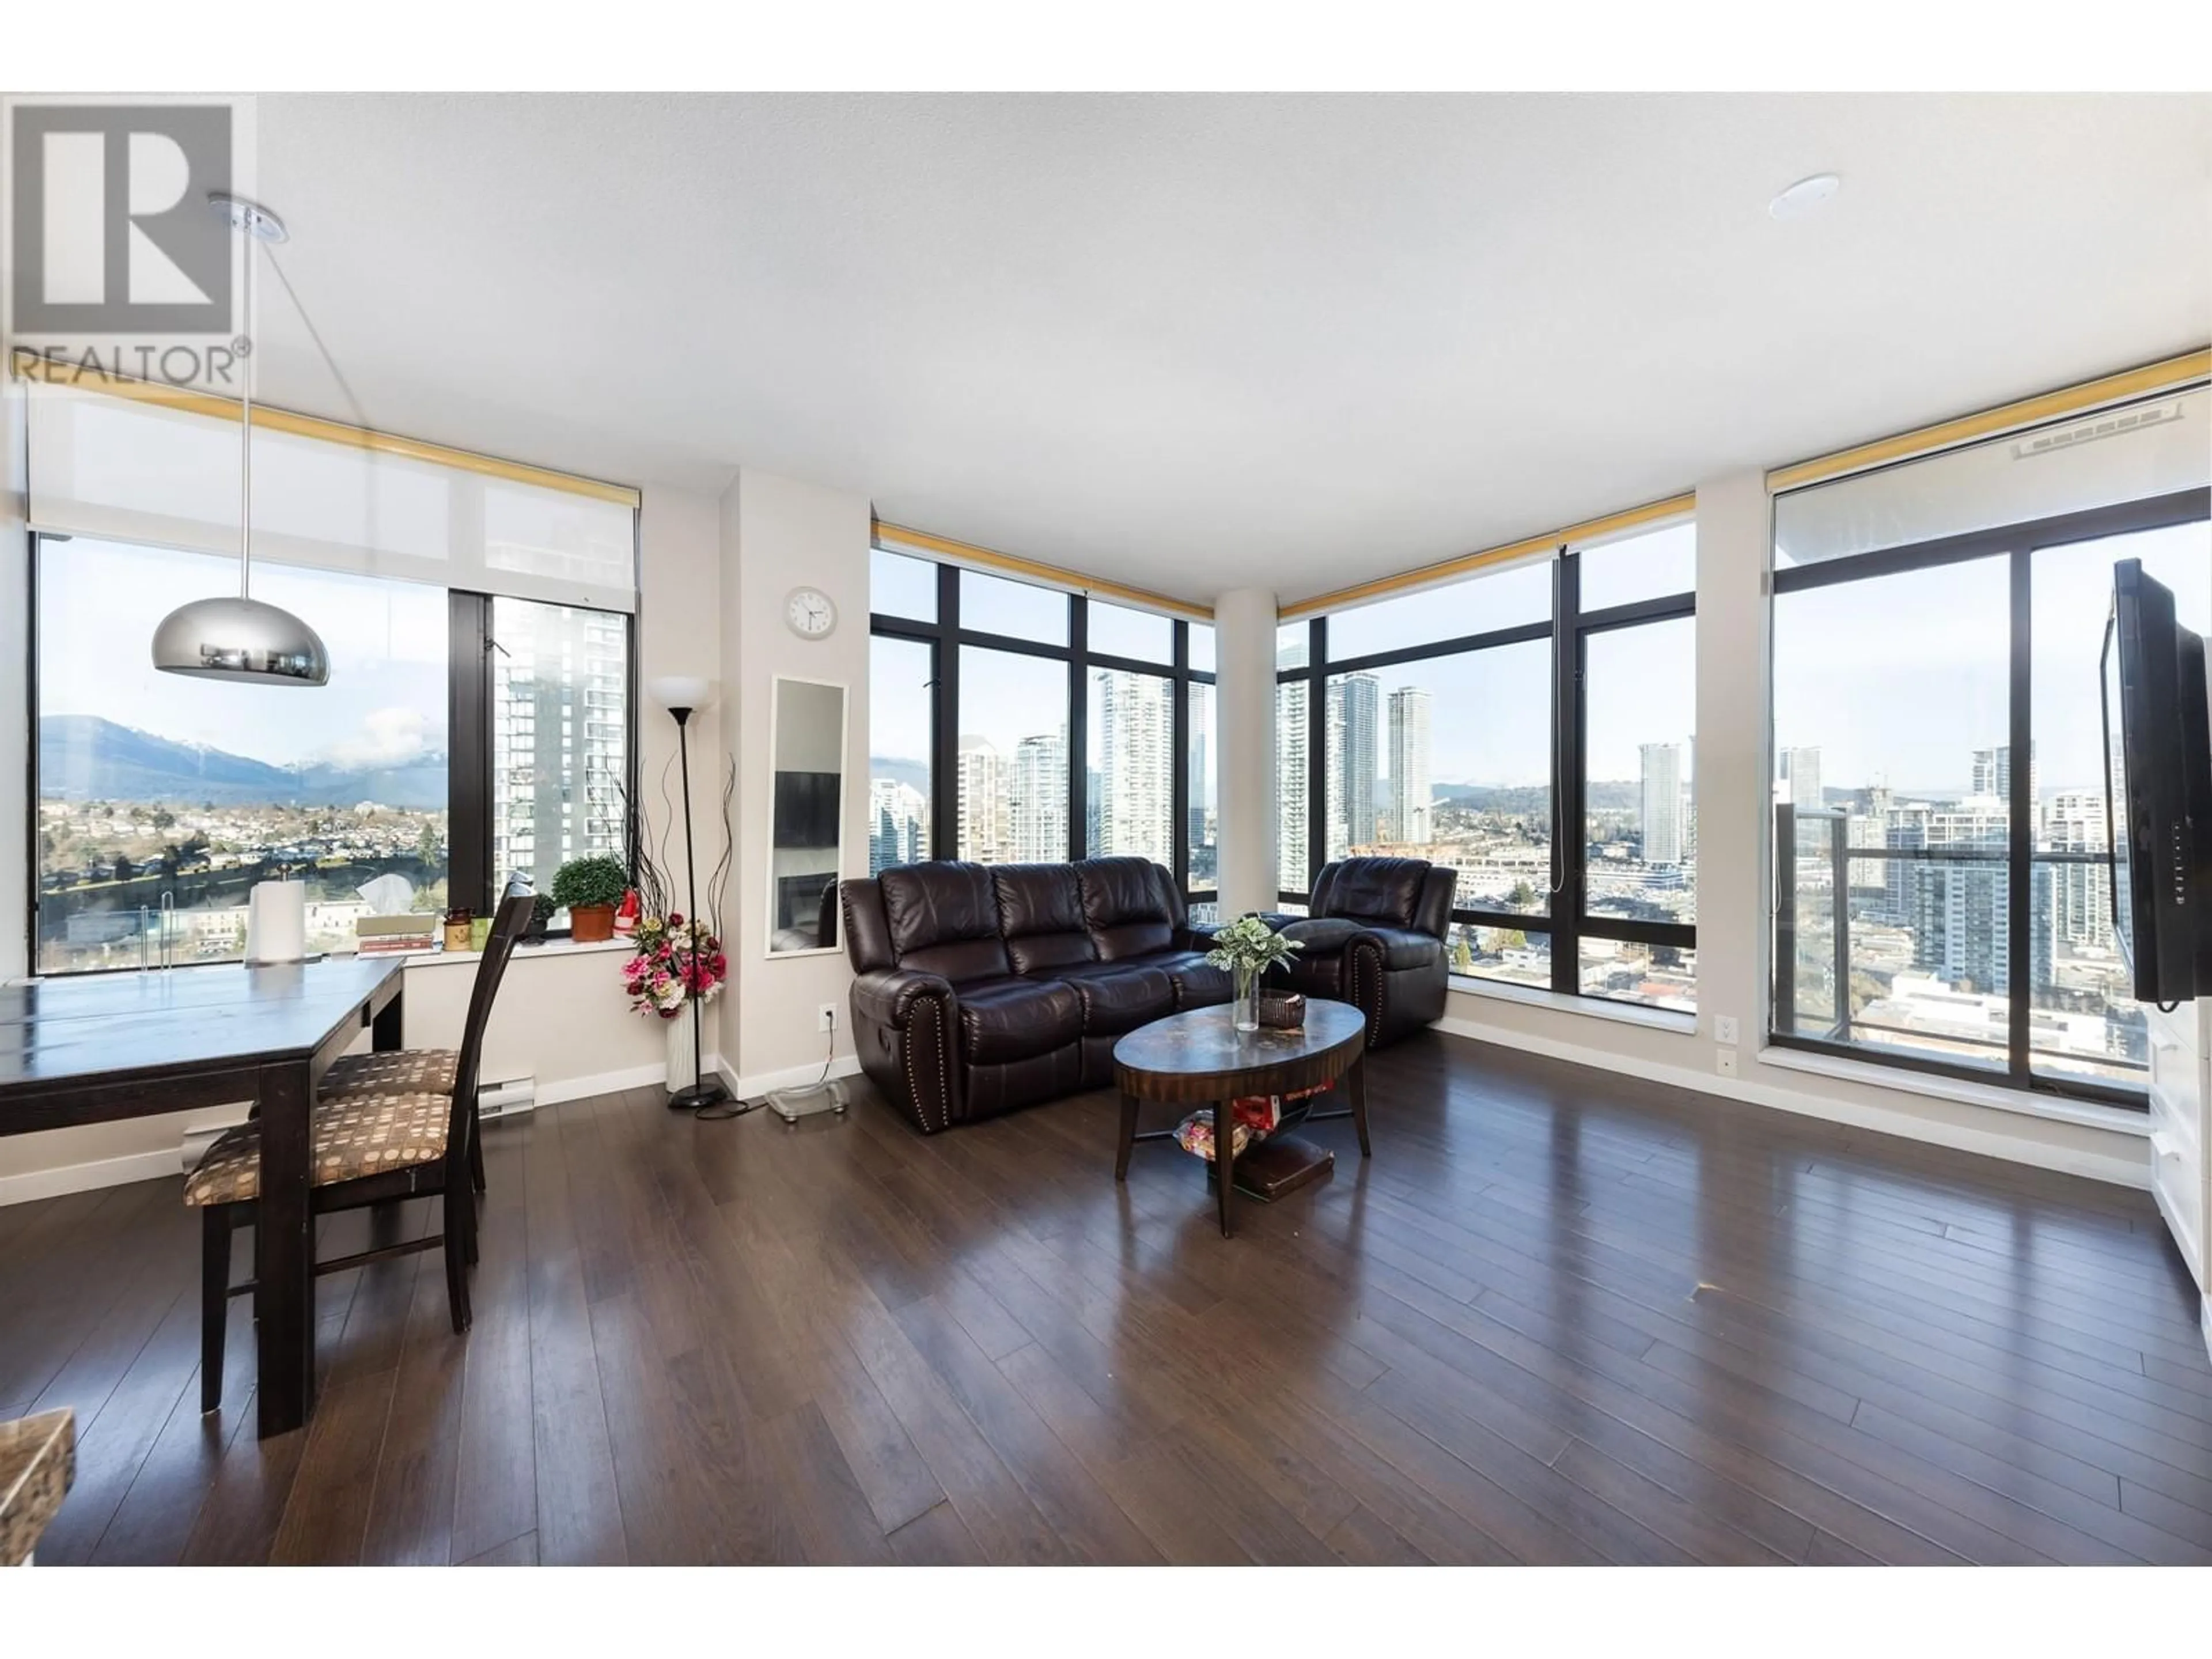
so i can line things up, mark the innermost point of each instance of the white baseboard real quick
(2066, 1160)
(791, 1077)
(65, 1178)
(602, 1083)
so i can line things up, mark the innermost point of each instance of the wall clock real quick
(810, 613)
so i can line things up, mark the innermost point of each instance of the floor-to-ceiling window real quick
(1637, 695)
(1012, 722)
(1531, 727)
(1201, 798)
(1943, 893)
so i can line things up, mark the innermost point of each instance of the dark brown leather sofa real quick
(1374, 938)
(980, 988)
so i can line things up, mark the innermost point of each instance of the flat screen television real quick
(807, 809)
(2157, 790)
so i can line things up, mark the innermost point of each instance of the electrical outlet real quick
(1724, 1028)
(1725, 1060)
(826, 1018)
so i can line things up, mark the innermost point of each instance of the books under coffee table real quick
(1199, 1058)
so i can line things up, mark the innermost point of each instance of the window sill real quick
(1872, 1073)
(431, 958)
(523, 953)
(1625, 1013)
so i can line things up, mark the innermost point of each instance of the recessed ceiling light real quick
(1802, 198)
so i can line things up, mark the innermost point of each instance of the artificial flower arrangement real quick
(676, 962)
(1248, 947)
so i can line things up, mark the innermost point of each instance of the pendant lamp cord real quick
(246, 436)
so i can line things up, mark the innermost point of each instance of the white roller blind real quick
(126, 469)
(2152, 447)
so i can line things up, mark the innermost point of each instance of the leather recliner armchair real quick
(979, 989)
(1374, 937)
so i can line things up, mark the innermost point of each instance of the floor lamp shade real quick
(684, 691)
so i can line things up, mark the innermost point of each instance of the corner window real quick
(1014, 723)
(1537, 738)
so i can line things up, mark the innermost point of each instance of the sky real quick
(1901, 678)
(1897, 680)
(100, 603)
(1491, 718)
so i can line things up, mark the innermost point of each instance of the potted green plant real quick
(541, 917)
(589, 888)
(1248, 947)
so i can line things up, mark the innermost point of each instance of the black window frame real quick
(1569, 629)
(945, 636)
(2017, 544)
(471, 876)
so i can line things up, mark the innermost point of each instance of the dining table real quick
(96, 1048)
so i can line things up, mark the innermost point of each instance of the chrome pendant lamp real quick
(242, 638)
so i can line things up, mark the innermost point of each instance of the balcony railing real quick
(1814, 855)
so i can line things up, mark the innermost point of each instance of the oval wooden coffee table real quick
(1199, 1058)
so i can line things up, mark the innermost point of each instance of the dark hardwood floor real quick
(1562, 1316)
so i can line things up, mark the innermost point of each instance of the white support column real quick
(1245, 647)
(1734, 795)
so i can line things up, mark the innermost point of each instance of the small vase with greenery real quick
(589, 888)
(1248, 947)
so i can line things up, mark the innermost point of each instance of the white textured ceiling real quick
(1202, 343)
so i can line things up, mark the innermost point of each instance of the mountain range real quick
(1532, 800)
(84, 757)
(913, 772)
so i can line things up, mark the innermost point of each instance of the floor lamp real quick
(683, 696)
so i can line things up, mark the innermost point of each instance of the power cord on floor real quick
(721, 1111)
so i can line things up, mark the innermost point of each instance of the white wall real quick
(776, 534)
(679, 633)
(562, 1015)
(1245, 644)
(1734, 801)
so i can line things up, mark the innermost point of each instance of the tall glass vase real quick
(1248, 997)
(682, 1074)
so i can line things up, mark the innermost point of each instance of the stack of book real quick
(383, 936)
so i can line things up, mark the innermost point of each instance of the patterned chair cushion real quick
(399, 1071)
(351, 1139)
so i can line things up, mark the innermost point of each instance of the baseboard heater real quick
(511, 1099)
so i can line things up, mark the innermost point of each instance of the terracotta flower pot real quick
(590, 924)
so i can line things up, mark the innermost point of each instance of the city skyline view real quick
(1907, 677)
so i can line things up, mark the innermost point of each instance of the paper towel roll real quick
(277, 922)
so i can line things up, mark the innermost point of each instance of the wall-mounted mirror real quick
(807, 722)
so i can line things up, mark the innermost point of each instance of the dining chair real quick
(417, 1070)
(363, 1149)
